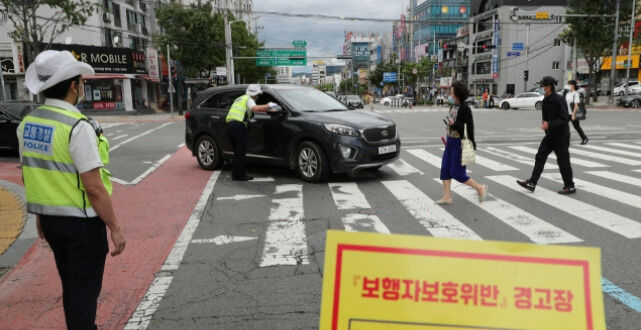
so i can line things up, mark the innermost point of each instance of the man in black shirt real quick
(557, 138)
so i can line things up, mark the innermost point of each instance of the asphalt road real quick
(229, 278)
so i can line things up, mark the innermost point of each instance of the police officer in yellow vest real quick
(66, 185)
(237, 122)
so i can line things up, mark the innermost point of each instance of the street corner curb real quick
(18, 228)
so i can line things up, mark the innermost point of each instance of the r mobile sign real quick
(108, 59)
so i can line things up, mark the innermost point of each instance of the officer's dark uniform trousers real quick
(557, 139)
(237, 134)
(80, 248)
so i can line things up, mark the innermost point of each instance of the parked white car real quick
(634, 90)
(523, 100)
(619, 88)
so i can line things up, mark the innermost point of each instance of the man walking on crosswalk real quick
(557, 139)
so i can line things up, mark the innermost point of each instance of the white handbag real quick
(468, 156)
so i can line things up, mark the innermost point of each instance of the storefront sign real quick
(108, 59)
(375, 281)
(104, 105)
(18, 57)
(152, 64)
(621, 62)
(7, 65)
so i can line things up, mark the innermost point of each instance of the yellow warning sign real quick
(376, 281)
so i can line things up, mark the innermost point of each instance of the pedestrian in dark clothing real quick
(557, 139)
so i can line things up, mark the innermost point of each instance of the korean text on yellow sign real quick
(374, 281)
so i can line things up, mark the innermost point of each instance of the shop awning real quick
(146, 78)
(106, 76)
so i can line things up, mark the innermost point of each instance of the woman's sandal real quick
(482, 197)
(443, 201)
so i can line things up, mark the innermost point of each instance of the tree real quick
(38, 32)
(199, 40)
(593, 35)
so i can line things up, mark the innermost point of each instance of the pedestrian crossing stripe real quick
(624, 145)
(536, 229)
(434, 218)
(402, 168)
(426, 157)
(609, 193)
(614, 151)
(620, 225)
(573, 160)
(626, 161)
(347, 196)
(508, 155)
(618, 177)
(285, 239)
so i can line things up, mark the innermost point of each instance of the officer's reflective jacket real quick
(52, 182)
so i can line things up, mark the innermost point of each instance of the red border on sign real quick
(463, 255)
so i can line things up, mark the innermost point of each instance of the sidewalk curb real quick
(27, 237)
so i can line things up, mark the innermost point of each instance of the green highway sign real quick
(299, 43)
(281, 57)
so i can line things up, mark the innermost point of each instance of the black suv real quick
(313, 133)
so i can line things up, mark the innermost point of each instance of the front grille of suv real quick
(376, 134)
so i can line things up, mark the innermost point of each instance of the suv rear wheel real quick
(311, 163)
(208, 154)
(506, 106)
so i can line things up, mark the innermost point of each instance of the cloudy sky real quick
(324, 36)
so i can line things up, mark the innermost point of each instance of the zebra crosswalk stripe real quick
(618, 177)
(426, 157)
(614, 194)
(402, 168)
(624, 145)
(433, 217)
(627, 161)
(285, 239)
(573, 160)
(620, 225)
(614, 151)
(347, 196)
(511, 156)
(537, 230)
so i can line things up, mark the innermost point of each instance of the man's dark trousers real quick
(80, 248)
(237, 134)
(560, 147)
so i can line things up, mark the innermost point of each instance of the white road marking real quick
(613, 194)
(181, 145)
(624, 145)
(137, 136)
(623, 226)
(224, 239)
(611, 158)
(573, 160)
(614, 151)
(426, 157)
(433, 217)
(347, 196)
(263, 179)
(493, 165)
(239, 197)
(537, 230)
(618, 177)
(149, 304)
(509, 155)
(119, 137)
(402, 168)
(285, 239)
(144, 174)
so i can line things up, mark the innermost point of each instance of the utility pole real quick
(170, 88)
(228, 55)
(627, 70)
(613, 59)
(527, 51)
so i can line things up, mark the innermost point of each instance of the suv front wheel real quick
(208, 154)
(311, 162)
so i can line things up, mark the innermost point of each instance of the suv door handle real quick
(215, 117)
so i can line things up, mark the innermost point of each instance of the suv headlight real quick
(342, 129)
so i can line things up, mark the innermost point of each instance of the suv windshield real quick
(353, 98)
(310, 100)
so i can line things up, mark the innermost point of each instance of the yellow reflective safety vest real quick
(239, 111)
(52, 182)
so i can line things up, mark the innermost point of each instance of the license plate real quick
(386, 149)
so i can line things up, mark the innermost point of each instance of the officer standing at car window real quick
(62, 154)
(237, 124)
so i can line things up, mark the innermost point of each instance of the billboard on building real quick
(108, 59)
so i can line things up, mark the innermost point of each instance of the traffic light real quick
(444, 46)
(526, 75)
